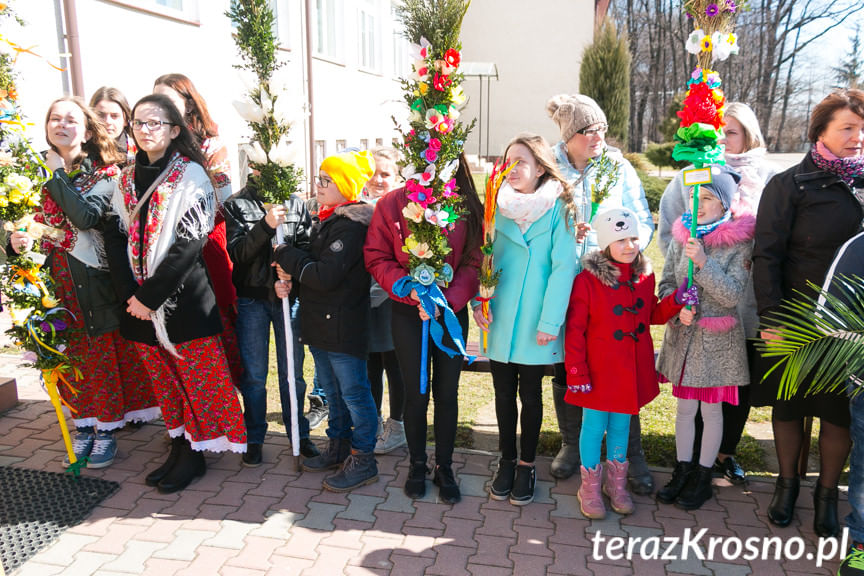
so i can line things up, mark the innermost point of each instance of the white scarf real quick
(747, 164)
(525, 209)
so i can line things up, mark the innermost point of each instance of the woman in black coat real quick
(806, 213)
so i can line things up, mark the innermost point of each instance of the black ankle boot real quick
(698, 489)
(670, 492)
(415, 486)
(783, 503)
(158, 474)
(825, 522)
(189, 466)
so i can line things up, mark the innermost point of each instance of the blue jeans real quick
(300, 356)
(349, 398)
(254, 318)
(855, 519)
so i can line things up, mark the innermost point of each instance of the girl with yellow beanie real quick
(334, 317)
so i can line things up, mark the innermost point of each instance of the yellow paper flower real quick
(4, 202)
(457, 95)
(49, 302)
(15, 196)
(706, 44)
(413, 212)
(19, 315)
(418, 249)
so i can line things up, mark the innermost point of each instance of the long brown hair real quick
(197, 116)
(542, 153)
(100, 147)
(185, 143)
(474, 209)
(114, 95)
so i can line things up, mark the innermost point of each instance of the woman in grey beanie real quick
(583, 138)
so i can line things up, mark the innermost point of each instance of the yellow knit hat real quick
(350, 171)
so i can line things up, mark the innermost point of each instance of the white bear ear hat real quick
(613, 225)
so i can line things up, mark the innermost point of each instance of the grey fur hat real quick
(573, 112)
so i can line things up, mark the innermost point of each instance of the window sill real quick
(329, 59)
(155, 10)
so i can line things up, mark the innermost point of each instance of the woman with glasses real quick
(193, 108)
(583, 129)
(112, 391)
(164, 210)
(387, 262)
(111, 106)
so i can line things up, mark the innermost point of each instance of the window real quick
(401, 64)
(364, 144)
(180, 10)
(281, 23)
(367, 26)
(327, 28)
(341, 145)
(379, 142)
(320, 152)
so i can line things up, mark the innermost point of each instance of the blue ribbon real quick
(431, 298)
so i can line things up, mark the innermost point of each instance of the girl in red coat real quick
(609, 354)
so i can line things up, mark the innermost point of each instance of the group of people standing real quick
(174, 283)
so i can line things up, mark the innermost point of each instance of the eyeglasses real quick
(599, 130)
(323, 181)
(152, 125)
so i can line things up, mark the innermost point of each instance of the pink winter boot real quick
(590, 497)
(615, 486)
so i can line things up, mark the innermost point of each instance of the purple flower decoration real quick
(731, 6)
(712, 10)
(689, 16)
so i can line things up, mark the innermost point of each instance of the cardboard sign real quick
(696, 176)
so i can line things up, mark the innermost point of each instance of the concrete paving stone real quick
(390, 522)
(162, 531)
(184, 544)
(310, 480)
(461, 531)
(296, 500)
(277, 525)
(428, 515)
(643, 516)
(482, 570)
(676, 526)
(41, 460)
(9, 460)
(493, 551)
(531, 540)
(320, 516)
(530, 563)
(212, 481)
(328, 497)
(272, 485)
(253, 509)
(375, 553)
(202, 524)
(714, 520)
(498, 522)
(189, 505)
(361, 508)
(127, 497)
(408, 565)
(341, 538)
(207, 561)
(419, 544)
(215, 512)
(33, 568)
(609, 526)
(451, 560)
(86, 563)
(387, 463)
(397, 501)
(535, 514)
(302, 544)
(97, 523)
(469, 508)
(737, 494)
(376, 489)
(224, 461)
(146, 512)
(288, 566)
(566, 506)
(253, 475)
(364, 571)
(333, 561)
(230, 494)
(767, 567)
(229, 570)
(63, 551)
(473, 485)
(230, 535)
(672, 511)
(727, 569)
(115, 539)
(345, 524)
(134, 556)
(541, 492)
(691, 565)
(569, 530)
(255, 553)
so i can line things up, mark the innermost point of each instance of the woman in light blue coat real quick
(535, 248)
(583, 139)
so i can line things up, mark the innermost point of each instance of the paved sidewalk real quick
(272, 520)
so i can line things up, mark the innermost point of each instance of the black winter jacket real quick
(334, 283)
(250, 241)
(805, 215)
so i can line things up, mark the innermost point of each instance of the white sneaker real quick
(393, 437)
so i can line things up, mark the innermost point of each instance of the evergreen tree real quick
(605, 76)
(850, 73)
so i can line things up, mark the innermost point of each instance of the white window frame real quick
(282, 23)
(369, 47)
(188, 14)
(332, 46)
(400, 61)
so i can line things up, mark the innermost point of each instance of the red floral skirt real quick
(219, 268)
(114, 388)
(196, 394)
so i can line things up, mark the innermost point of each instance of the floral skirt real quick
(196, 394)
(114, 388)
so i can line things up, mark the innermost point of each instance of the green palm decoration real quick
(822, 338)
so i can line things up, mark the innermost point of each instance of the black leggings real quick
(443, 384)
(528, 381)
(376, 365)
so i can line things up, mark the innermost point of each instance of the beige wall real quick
(537, 46)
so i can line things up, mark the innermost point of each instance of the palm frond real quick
(439, 21)
(822, 338)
